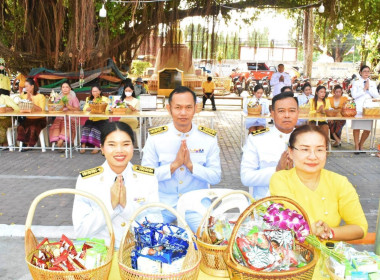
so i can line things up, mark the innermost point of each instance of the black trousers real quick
(209, 97)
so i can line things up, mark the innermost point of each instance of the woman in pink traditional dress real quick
(57, 130)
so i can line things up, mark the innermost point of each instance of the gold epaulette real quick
(143, 169)
(259, 131)
(158, 130)
(207, 130)
(91, 172)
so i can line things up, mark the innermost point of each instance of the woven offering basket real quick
(348, 112)
(304, 110)
(237, 271)
(55, 108)
(254, 111)
(190, 268)
(371, 111)
(98, 108)
(98, 273)
(212, 261)
(198, 107)
(26, 107)
(332, 112)
(331, 274)
(119, 110)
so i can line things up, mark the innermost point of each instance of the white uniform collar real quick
(280, 134)
(184, 135)
(110, 172)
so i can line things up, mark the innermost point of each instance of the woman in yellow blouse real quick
(29, 130)
(319, 104)
(6, 122)
(336, 127)
(93, 126)
(327, 197)
(129, 97)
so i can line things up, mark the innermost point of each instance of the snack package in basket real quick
(159, 248)
(64, 256)
(220, 227)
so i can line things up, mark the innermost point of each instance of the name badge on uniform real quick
(197, 151)
(139, 199)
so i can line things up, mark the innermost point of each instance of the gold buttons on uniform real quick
(182, 169)
(180, 182)
(123, 224)
(187, 135)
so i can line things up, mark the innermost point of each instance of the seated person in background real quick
(6, 122)
(286, 89)
(122, 86)
(336, 126)
(265, 151)
(57, 129)
(92, 127)
(326, 197)
(146, 86)
(133, 103)
(256, 124)
(29, 130)
(139, 87)
(304, 98)
(319, 104)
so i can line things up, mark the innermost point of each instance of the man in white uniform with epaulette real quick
(266, 149)
(185, 156)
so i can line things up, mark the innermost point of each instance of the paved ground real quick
(25, 175)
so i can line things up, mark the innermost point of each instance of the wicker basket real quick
(119, 110)
(26, 107)
(237, 271)
(254, 111)
(331, 274)
(53, 108)
(332, 112)
(198, 107)
(371, 111)
(304, 110)
(348, 112)
(99, 273)
(98, 108)
(212, 261)
(190, 268)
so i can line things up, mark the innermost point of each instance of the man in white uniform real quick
(266, 150)
(279, 80)
(185, 156)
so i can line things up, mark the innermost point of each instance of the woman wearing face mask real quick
(133, 104)
(362, 89)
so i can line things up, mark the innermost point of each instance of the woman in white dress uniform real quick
(122, 186)
(362, 89)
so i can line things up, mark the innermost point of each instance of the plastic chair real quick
(42, 136)
(192, 201)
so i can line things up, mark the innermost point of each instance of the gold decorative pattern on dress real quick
(207, 130)
(91, 172)
(259, 131)
(143, 169)
(158, 130)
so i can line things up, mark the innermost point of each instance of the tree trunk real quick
(308, 39)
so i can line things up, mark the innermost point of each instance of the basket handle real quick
(212, 206)
(249, 211)
(190, 234)
(28, 233)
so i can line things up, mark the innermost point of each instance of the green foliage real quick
(138, 67)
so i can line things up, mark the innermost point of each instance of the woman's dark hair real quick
(182, 89)
(337, 87)
(31, 82)
(130, 85)
(364, 67)
(67, 83)
(99, 88)
(305, 85)
(257, 87)
(316, 96)
(115, 126)
(305, 129)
